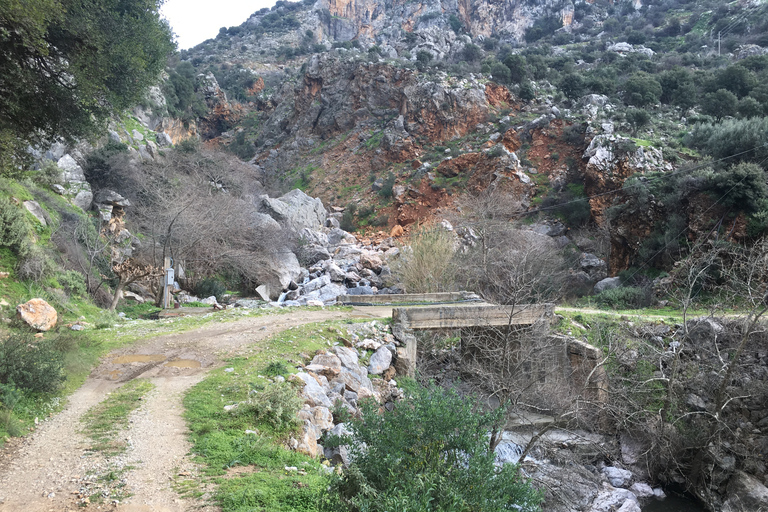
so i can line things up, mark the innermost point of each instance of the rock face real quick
(338, 95)
(77, 188)
(38, 314)
(611, 160)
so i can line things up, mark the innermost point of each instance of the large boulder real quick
(307, 442)
(295, 210)
(609, 283)
(314, 394)
(277, 272)
(745, 492)
(36, 210)
(617, 476)
(614, 500)
(38, 314)
(326, 294)
(347, 356)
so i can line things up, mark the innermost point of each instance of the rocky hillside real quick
(398, 109)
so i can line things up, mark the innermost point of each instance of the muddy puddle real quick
(183, 363)
(139, 358)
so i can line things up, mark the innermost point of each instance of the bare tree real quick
(130, 271)
(199, 208)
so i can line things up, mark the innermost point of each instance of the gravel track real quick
(52, 469)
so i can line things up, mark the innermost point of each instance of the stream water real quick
(674, 503)
(510, 448)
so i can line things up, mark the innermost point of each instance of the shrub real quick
(569, 204)
(543, 27)
(34, 264)
(423, 58)
(73, 282)
(526, 91)
(430, 453)
(572, 85)
(211, 286)
(426, 266)
(30, 363)
(386, 188)
(456, 24)
(501, 72)
(638, 118)
(98, 166)
(48, 175)
(625, 298)
(13, 227)
(190, 145)
(275, 368)
(275, 406)
(347, 222)
(741, 186)
(641, 89)
(720, 104)
(471, 52)
(735, 139)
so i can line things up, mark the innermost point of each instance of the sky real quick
(194, 21)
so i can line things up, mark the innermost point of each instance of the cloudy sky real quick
(194, 21)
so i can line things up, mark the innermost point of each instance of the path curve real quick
(46, 470)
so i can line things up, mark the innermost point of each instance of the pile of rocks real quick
(336, 380)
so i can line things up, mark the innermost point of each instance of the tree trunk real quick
(118, 292)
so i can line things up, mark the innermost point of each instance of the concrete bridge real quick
(545, 358)
(406, 320)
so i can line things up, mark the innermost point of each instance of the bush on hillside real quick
(738, 140)
(211, 287)
(426, 266)
(630, 297)
(430, 453)
(31, 364)
(13, 228)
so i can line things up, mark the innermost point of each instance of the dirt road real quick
(51, 468)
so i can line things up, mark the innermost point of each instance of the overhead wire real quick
(700, 216)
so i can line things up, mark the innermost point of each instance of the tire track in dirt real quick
(46, 470)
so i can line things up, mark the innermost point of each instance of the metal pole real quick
(166, 287)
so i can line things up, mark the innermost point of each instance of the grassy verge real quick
(248, 470)
(104, 421)
(103, 332)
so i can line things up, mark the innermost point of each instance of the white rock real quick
(617, 476)
(347, 356)
(380, 361)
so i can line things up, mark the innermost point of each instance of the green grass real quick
(219, 441)
(104, 421)
(642, 142)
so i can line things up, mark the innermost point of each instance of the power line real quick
(648, 260)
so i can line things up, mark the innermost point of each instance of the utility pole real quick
(168, 279)
(718, 42)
